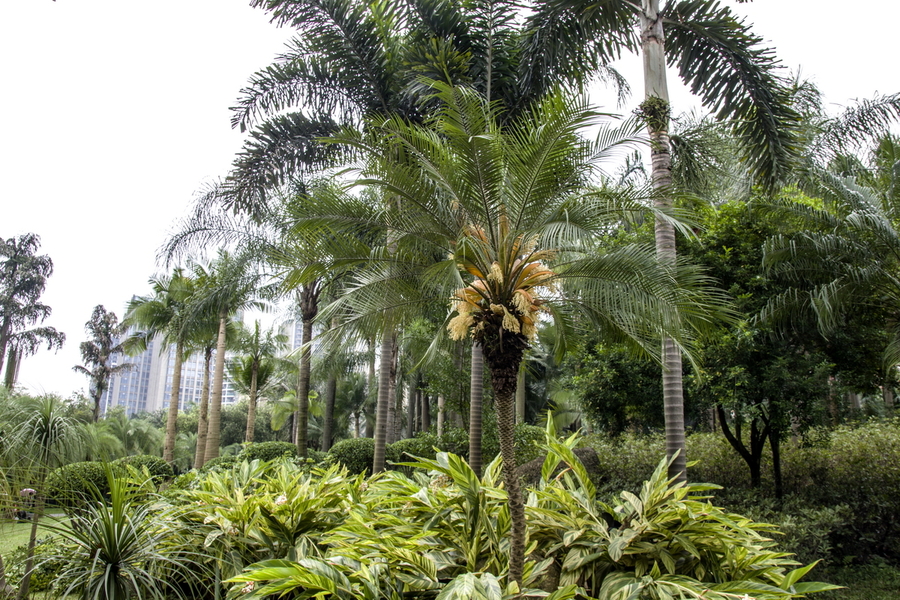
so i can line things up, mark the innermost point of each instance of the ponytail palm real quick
(509, 221)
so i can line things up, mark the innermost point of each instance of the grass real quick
(874, 581)
(13, 534)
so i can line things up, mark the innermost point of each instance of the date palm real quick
(511, 219)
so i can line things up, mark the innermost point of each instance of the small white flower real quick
(248, 588)
(282, 499)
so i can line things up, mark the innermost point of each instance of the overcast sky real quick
(117, 111)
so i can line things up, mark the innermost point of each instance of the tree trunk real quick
(503, 356)
(174, 399)
(25, 584)
(520, 394)
(251, 407)
(381, 408)
(476, 391)
(412, 410)
(656, 112)
(442, 414)
(775, 442)
(203, 421)
(214, 429)
(12, 368)
(371, 392)
(302, 414)
(396, 395)
(328, 426)
(425, 411)
(887, 393)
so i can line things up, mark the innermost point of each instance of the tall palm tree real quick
(105, 332)
(165, 313)
(255, 365)
(229, 284)
(516, 210)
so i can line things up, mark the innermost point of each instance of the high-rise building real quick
(147, 386)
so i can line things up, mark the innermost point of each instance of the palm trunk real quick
(476, 392)
(503, 357)
(174, 399)
(214, 434)
(371, 392)
(301, 417)
(425, 412)
(25, 584)
(328, 426)
(520, 394)
(442, 414)
(251, 408)
(395, 395)
(381, 408)
(656, 112)
(203, 421)
(412, 410)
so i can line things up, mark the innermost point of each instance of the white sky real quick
(117, 112)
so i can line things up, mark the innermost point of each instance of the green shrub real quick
(219, 463)
(528, 440)
(419, 446)
(267, 451)
(159, 469)
(45, 568)
(358, 454)
(76, 483)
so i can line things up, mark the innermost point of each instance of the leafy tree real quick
(524, 228)
(105, 341)
(23, 277)
(253, 370)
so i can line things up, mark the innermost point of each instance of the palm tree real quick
(165, 313)
(97, 352)
(228, 285)
(255, 365)
(40, 439)
(23, 277)
(847, 251)
(515, 208)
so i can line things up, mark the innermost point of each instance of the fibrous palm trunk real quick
(301, 416)
(328, 426)
(309, 308)
(214, 429)
(656, 112)
(251, 407)
(381, 407)
(476, 392)
(503, 355)
(174, 399)
(203, 420)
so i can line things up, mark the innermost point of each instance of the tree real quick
(105, 333)
(226, 286)
(40, 438)
(524, 228)
(255, 365)
(23, 277)
(165, 313)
